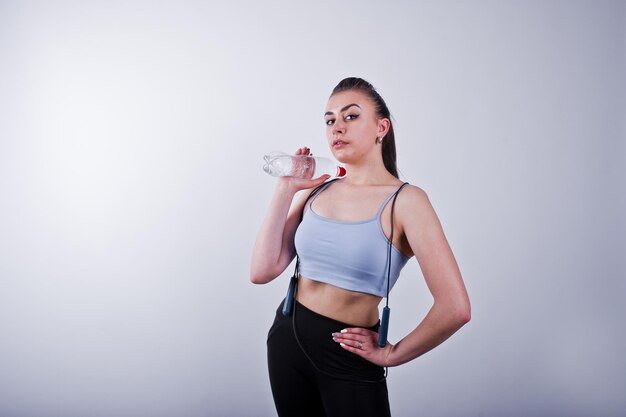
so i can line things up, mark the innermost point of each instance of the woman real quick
(325, 359)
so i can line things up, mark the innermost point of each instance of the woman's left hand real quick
(364, 343)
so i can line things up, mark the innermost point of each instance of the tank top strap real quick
(388, 199)
(317, 193)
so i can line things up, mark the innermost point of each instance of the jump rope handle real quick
(384, 327)
(384, 321)
(291, 295)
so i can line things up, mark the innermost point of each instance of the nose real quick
(339, 127)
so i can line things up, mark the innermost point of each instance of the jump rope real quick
(289, 303)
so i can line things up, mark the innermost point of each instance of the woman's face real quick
(352, 126)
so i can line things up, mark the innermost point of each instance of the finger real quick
(306, 184)
(321, 179)
(352, 349)
(303, 151)
(357, 341)
(347, 338)
(358, 331)
(355, 335)
(315, 182)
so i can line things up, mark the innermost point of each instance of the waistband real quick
(302, 309)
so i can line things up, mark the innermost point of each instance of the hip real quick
(310, 333)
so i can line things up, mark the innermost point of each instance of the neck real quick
(367, 174)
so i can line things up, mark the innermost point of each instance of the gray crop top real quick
(347, 254)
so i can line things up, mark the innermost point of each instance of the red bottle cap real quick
(341, 172)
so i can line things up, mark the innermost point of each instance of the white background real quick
(131, 144)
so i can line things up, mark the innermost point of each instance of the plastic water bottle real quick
(280, 164)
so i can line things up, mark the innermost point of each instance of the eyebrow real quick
(343, 109)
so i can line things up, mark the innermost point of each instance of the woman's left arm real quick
(415, 215)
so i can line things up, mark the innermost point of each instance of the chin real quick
(343, 158)
(339, 155)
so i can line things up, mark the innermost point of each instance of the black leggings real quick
(333, 382)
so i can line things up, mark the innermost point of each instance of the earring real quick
(379, 140)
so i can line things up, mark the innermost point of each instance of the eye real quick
(329, 122)
(351, 116)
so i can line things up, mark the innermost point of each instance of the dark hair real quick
(389, 143)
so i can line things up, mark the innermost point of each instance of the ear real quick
(384, 125)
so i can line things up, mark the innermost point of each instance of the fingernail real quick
(334, 334)
(344, 331)
(342, 344)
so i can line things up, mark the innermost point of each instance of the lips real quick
(339, 142)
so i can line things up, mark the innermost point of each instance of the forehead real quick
(337, 101)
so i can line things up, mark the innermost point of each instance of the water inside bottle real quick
(303, 167)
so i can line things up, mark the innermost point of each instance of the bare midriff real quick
(352, 307)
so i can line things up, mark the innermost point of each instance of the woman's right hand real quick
(297, 184)
(274, 247)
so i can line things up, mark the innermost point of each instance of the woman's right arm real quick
(274, 247)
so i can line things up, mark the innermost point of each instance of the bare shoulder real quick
(412, 197)
(414, 207)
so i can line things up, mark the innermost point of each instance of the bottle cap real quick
(341, 172)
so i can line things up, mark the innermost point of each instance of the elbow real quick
(261, 275)
(457, 314)
(258, 272)
(463, 314)
(262, 271)
(258, 278)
